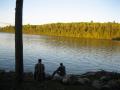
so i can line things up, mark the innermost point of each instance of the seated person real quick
(60, 71)
(39, 73)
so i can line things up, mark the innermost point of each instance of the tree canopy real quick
(107, 30)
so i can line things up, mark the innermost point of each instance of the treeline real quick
(108, 30)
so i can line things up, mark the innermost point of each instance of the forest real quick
(108, 30)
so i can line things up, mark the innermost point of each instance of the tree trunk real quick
(18, 41)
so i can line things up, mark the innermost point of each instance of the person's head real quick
(39, 60)
(61, 64)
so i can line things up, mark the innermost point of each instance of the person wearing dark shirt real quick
(39, 73)
(60, 71)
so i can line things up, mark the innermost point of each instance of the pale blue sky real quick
(49, 11)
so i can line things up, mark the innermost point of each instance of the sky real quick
(53, 11)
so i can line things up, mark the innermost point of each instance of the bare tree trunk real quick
(18, 41)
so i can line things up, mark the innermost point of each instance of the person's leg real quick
(54, 73)
(40, 77)
(59, 73)
(44, 76)
(35, 75)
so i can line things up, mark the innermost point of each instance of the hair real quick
(39, 60)
(61, 64)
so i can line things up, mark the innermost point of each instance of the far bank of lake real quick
(93, 30)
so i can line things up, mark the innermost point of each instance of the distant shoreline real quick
(113, 39)
(110, 30)
(116, 39)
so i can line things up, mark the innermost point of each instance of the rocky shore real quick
(101, 80)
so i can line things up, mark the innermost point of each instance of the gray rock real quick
(97, 84)
(83, 81)
(70, 79)
(87, 80)
(113, 84)
(73, 79)
(118, 81)
(48, 76)
(2, 71)
(104, 79)
(105, 87)
(89, 74)
(66, 79)
(58, 78)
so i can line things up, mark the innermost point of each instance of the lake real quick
(78, 55)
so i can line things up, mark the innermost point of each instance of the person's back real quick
(39, 68)
(39, 71)
(60, 71)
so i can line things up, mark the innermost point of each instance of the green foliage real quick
(9, 29)
(83, 30)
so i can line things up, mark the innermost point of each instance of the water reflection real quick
(79, 55)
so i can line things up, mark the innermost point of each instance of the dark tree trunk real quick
(18, 41)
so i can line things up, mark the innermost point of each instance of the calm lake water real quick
(78, 55)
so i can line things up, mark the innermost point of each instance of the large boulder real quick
(97, 84)
(2, 71)
(70, 79)
(113, 84)
(48, 76)
(66, 79)
(81, 81)
(105, 79)
(87, 80)
(57, 78)
(105, 87)
(73, 79)
(84, 81)
(89, 74)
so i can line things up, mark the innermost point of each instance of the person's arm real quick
(58, 69)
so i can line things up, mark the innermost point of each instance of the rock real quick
(113, 84)
(105, 87)
(104, 78)
(87, 80)
(58, 78)
(70, 79)
(28, 76)
(118, 81)
(48, 76)
(110, 85)
(66, 79)
(97, 84)
(83, 81)
(89, 74)
(2, 71)
(73, 79)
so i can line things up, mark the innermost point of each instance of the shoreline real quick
(100, 80)
(93, 30)
(112, 39)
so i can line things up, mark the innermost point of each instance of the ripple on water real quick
(78, 55)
